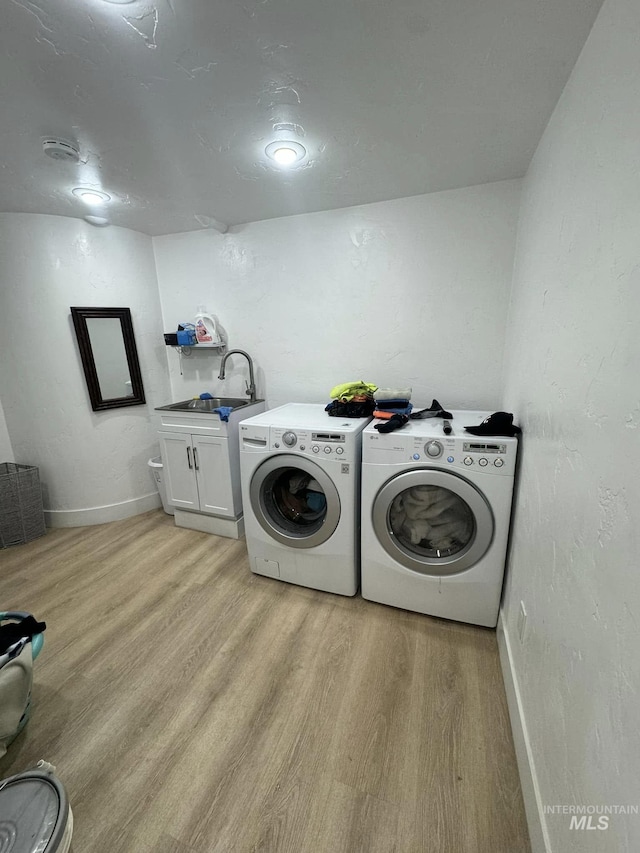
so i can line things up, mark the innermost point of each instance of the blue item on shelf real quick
(187, 337)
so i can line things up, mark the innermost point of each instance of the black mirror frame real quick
(80, 317)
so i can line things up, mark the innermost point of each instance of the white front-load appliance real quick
(300, 475)
(436, 511)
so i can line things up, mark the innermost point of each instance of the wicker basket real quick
(21, 513)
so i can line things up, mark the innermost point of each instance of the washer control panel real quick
(324, 445)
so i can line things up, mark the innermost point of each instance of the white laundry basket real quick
(156, 467)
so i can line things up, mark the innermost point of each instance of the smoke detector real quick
(98, 221)
(61, 149)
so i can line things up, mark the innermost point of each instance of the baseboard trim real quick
(101, 514)
(526, 766)
(232, 528)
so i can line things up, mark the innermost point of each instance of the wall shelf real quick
(188, 349)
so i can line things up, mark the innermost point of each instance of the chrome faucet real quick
(251, 384)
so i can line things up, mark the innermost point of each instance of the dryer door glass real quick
(295, 501)
(432, 521)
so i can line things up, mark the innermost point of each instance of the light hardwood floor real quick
(192, 706)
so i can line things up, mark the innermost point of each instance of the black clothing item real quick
(337, 409)
(499, 423)
(435, 410)
(395, 422)
(12, 632)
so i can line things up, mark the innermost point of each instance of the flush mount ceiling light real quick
(89, 196)
(119, 2)
(285, 152)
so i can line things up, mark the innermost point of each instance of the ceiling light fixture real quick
(89, 196)
(119, 2)
(285, 152)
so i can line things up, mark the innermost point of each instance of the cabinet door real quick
(213, 474)
(179, 478)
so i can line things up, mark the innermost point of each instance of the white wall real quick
(87, 459)
(413, 291)
(572, 376)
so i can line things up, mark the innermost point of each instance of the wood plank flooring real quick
(193, 707)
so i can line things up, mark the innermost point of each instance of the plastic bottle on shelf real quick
(206, 330)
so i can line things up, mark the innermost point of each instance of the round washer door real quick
(34, 814)
(432, 521)
(294, 501)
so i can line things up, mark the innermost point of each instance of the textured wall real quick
(413, 291)
(48, 263)
(572, 375)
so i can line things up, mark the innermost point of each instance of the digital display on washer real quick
(476, 447)
(327, 436)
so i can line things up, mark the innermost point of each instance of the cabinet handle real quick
(189, 457)
(195, 459)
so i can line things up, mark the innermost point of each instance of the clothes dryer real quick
(436, 512)
(300, 475)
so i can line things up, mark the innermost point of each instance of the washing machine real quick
(300, 476)
(436, 512)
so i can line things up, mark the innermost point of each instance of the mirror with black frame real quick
(109, 357)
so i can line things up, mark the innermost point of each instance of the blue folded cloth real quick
(399, 410)
(392, 403)
(224, 412)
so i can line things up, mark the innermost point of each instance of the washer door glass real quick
(432, 521)
(295, 501)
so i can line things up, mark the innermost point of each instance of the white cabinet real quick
(197, 473)
(201, 467)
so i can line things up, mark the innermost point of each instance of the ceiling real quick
(171, 103)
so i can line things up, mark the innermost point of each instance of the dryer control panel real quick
(496, 456)
(481, 447)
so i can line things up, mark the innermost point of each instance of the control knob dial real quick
(290, 439)
(433, 449)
